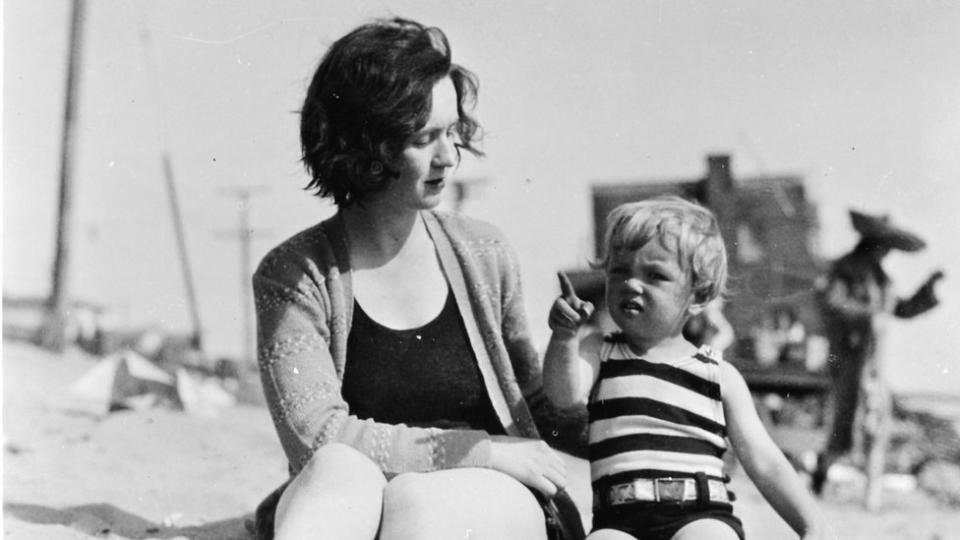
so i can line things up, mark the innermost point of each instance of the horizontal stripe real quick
(680, 377)
(684, 445)
(661, 391)
(638, 406)
(627, 425)
(632, 462)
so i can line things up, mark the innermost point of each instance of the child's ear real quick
(695, 309)
(698, 304)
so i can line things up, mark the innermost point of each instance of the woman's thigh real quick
(706, 528)
(468, 503)
(609, 534)
(338, 494)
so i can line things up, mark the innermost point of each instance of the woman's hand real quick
(530, 461)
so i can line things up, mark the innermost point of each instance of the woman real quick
(394, 350)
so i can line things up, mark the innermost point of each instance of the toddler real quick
(663, 411)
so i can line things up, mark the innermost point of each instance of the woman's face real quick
(429, 155)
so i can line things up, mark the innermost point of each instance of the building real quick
(770, 228)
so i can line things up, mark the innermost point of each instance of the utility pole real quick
(53, 334)
(244, 233)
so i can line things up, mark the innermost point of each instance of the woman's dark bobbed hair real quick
(371, 92)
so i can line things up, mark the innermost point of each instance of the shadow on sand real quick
(99, 520)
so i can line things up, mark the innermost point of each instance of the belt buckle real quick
(666, 488)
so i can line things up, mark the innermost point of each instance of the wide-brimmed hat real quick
(879, 229)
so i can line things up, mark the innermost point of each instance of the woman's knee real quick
(338, 494)
(482, 487)
(609, 534)
(706, 528)
(452, 502)
(337, 464)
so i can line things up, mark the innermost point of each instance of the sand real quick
(72, 471)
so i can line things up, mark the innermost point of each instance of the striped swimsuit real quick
(655, 419)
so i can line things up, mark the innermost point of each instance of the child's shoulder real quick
(713, 361)
(601, 345)
(708, 355)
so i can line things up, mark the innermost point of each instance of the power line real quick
(152, 63)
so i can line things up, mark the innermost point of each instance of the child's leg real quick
(609, 534)
(339, 494)
(706, 528)
(460, 503)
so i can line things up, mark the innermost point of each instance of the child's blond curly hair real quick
(687, 228)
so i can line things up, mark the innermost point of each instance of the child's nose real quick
(635, 284)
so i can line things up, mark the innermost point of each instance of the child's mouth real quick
(631, 307)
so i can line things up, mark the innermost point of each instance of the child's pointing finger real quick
(566, 288)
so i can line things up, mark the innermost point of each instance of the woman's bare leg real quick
(339, 494)
(468, 503)
(609, 534)
(706, 528)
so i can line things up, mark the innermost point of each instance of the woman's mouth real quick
(435, 183)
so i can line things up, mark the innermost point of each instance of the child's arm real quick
(763, 461)
(569, 366)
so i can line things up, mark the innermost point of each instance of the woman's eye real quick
(421, 141)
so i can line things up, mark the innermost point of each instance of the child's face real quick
(649, 294)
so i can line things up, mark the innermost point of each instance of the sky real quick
(861, 99)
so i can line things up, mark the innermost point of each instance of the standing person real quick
(856, 297)
(393, 347)
(662, 409)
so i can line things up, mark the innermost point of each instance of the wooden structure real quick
(770, 230)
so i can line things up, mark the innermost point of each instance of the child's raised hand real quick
(568, 312)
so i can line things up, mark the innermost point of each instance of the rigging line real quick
(244, 35)
(779, 195)
(151, 61)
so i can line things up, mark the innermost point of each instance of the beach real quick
(73, 471)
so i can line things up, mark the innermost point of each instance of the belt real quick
(659, 490)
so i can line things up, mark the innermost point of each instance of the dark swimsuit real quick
(423, 377)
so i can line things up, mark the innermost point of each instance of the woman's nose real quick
(447, 155)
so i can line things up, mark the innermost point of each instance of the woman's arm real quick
(302, 387)
(763, 461)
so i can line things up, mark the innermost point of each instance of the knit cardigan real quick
(304, 306)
